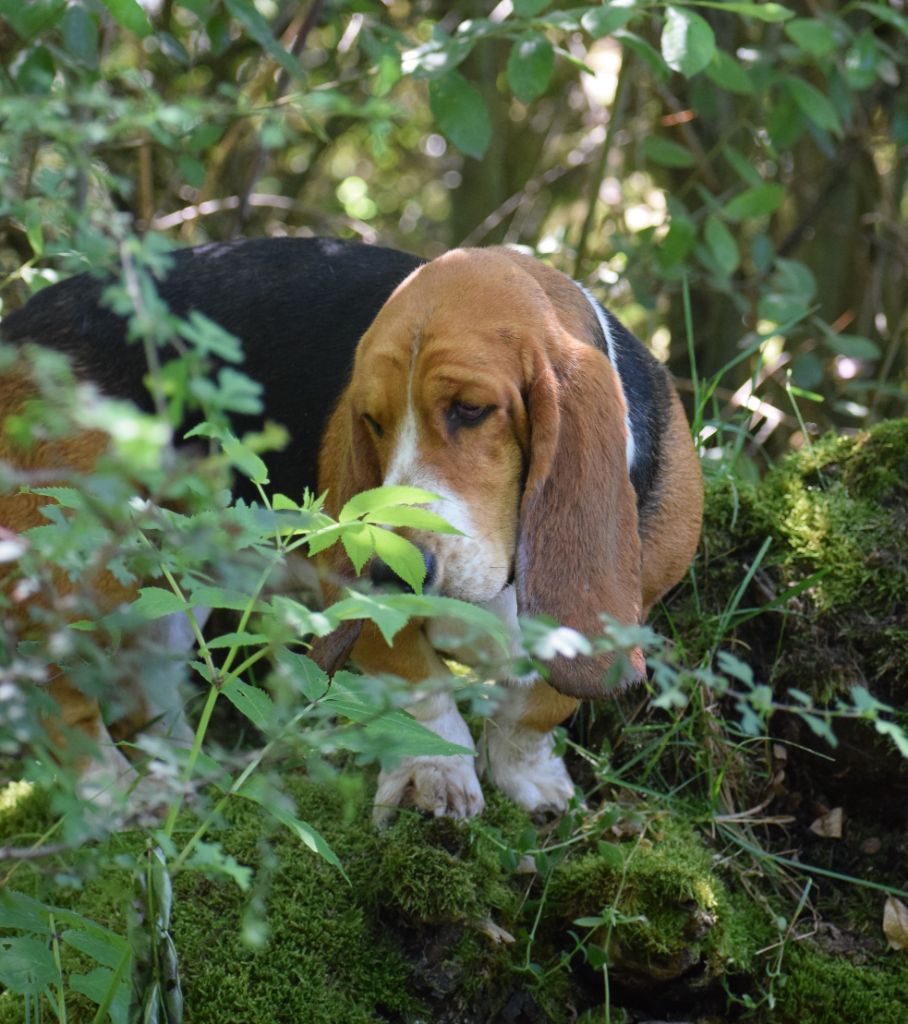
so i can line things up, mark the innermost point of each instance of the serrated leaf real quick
(359, 544)
(754, 202)
(389, 620)
(251, 702)
(530, 66)
(416, 518)
(384, 497)
(814, 104)
(26, 965)
(402, 556)
(107, 950)
(393, 732)
(130, 15)
(688, 42)
(722, 244)
(667, 153)
(604, 20)
(461, 113)
(19, 912)
(156, 602)
(237, 639)
(811, 35)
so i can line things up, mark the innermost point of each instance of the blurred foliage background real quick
(730, 177)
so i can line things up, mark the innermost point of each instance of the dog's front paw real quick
(440, 786)
(521, 763)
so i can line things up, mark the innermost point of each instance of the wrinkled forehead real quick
(465, 312)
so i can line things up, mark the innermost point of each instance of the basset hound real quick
(555, 442)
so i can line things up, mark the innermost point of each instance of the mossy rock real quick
(413, 935)
(836, 513)
(830, 594)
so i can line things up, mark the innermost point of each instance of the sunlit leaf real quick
(688, 41)
(461, 113)
(667, 153)
(530, 66)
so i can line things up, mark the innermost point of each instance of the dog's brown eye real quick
(467, 415)
(377, 428)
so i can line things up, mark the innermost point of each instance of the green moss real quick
(817, 988)
(672, 911)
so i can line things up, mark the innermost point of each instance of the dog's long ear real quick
(347, 461)
(579, 551)
(347, 464)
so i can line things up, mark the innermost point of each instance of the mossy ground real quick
(688, 925)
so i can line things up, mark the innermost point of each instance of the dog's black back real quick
(298, 305)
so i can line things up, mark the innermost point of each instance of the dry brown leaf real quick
(895, 923)
(829, 825)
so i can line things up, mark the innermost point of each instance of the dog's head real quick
(478, 380)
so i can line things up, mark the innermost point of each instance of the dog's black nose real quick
(382, 575)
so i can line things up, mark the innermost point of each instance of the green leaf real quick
(240, 639)
(254, 790)
(402, 556)
(96, 986)
(530, 66)
(211, 859)
(378, 609)
(605, 20)
(80, 35)
(863, 60)
(688, 42)
(647, 53)
(22, 913)
(530, 8)
(416, 518)
(855, 346)
(814, 104)
(394, 732)
(156, 602)
(460, 112)
(258, 29)
(208, 336)
(384, 497)
(108, 950)
(130, 15)
(32, 17)
(743, 167)
(729, 74)
(722, 245)
(252, 702)
(667, 153)
(359, 545)
(811, 35)
(754, 202)
(27, 965)
(762, 12)
(887, 14)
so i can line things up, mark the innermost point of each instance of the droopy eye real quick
(377, 428)
(467, 415)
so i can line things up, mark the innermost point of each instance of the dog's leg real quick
(517, 751)
(440, 785)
